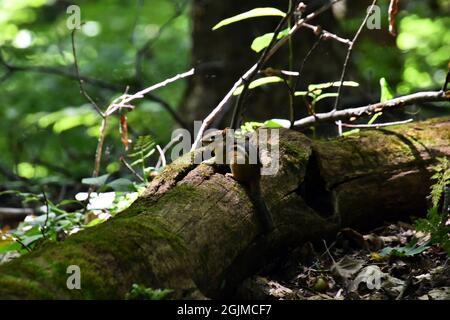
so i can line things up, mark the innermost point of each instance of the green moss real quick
(294, 151)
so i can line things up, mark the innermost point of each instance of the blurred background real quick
(49, 131)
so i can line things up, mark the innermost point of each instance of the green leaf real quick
(300, 93)
(277, 123)
(254, 13)
(97, 181)
(258, 83)
(95, 222)
(122, 184)
(260, 43)
(386, 91)
(374, 117)
(29, 240)
(326, 95)
(10, 245)
(409, 250)
(350, 132)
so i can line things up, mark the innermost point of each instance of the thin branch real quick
(345, 114)
(129, 167)
(99, 151)
(44, 227)
(220, 108)
(326, 35)
(15, 212)
(80, 81)
(376, 125)
(92, 81)
(291, 96)
(125, 99)
(347, 59)
(260, 64)
(19, 241)
(447, 79)
(349, 53)
(141, 52)
(302, 66)
(16, 239)
(176, 139)
(161, 155)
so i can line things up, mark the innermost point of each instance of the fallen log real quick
(194, 229)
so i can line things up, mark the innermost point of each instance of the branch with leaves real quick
(267, 54)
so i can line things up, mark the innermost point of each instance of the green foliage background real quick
(49, 132)
(45, 119)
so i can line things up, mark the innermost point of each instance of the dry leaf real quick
(393, 10)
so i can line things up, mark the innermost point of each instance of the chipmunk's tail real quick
(260, 205)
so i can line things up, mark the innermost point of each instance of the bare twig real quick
(124, 100)
(220, 108)
(47, 211)
(260, 64)
(15, 212)
(142, 51)
(80, 81)
(326, 35)
(349, 53)
(420, 97)
(161, 155)
(129, 167)
(347, 59)
(376, 125)
(99, 151)
(447, 79)
(19, 241)
(16, 239)
(302, 66)
(11, 69)
(176, 139)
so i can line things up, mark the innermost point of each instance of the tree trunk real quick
(194, 230)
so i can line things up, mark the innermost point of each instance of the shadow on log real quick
(194, 229)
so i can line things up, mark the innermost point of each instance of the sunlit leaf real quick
(258, 83)
(277, 123)
(254, 13)
(386, 91)
(260, 43)
(350, 132)
(326, 95)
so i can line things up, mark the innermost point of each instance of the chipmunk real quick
(244, 164)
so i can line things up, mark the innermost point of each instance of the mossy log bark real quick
(195, 231)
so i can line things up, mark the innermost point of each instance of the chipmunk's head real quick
(216, 136)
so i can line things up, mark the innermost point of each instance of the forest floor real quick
(379, 265)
